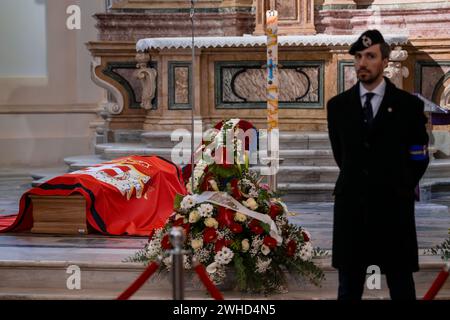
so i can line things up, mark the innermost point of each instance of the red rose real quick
(178, 222)
(275, 210)
(255, 227)
(235, 189)
(165, 242)
(225, 217)
(236, 228)
(187, 228)
(209, 235)
(291, 247)
(270, 242)
(305, 236)
(220, 244)
(205, 186)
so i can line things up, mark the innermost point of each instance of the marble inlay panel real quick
(135, 84)
(287, 9)
(227, 77)
(298, 84)
(430, 76)
(349, 77)
(181, 85)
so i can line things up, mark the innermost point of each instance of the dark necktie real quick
(367, 109)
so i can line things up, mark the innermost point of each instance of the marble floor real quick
(432, 218)
(35, 266)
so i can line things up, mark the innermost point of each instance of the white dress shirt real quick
(376, 99)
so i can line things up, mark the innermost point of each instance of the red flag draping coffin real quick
(130, 195)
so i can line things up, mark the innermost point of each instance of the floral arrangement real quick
(245, 229)
(442, 250)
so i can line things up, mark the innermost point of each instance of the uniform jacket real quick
(380, 167)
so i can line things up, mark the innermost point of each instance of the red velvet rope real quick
(437, 284)
(212, 289)
(139, 281)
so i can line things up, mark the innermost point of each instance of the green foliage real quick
(177, 201)
(241, 274)
(224, 173)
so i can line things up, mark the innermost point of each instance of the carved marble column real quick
(395, 71)
(294, 16)
(147, 76)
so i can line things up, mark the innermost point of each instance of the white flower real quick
(202, 255)
(256, 244)
(208, 207)
(219, 275)
(168, 262)
(245, 245)
(262, 265)
(197, 243)
(265, 250)
(250, 203)
(224, 234)
(205, 210)
(280, 221)
(212, 268)
(240, 217)
(306, 251)
(187, 263)
(211, 223)
(253, 193)
(194, 216)
(187, 202)
(224, 256)
(153, 248)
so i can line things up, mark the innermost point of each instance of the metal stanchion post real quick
(177, 239)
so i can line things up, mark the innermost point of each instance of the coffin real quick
(59, 214)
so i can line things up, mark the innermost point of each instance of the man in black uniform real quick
(379, 141)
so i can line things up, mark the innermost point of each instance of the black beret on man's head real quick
(366, 40)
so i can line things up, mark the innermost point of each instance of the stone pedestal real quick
(294, 16)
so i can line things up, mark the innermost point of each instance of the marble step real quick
(298, 157)
(127, 136)
(80, 162)
(100, 280)
(306, 192)
(290, 156)
(288, 140)
(305, 174)
(438, 168)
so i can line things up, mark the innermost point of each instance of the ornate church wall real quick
(48, 103)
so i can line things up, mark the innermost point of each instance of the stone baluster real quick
(395, 71)
(147, 76)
